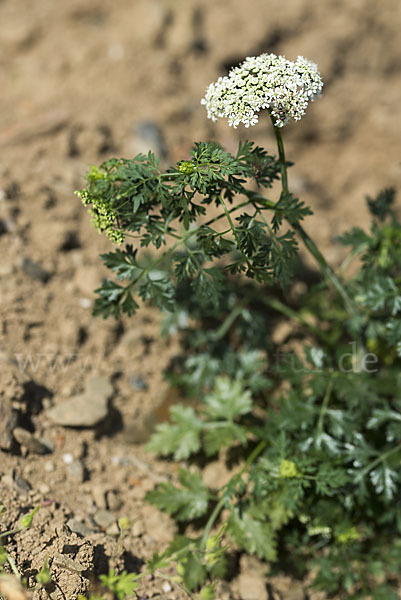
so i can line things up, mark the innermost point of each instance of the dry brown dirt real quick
(79, 82)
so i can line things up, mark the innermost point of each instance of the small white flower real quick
(266, 81)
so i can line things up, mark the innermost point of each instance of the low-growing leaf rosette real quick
(267, 81)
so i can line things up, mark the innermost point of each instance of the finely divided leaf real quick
(254, 535)
(187, 502)
(181, 438)
(228, 400)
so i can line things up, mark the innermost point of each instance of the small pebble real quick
(113, 500)
(77, 471)
(113, 529)
(85, 303)
(121, 461)
(44, 489)
(22, 484)
(104, 519)
(26, 439)
(99, 496)
(87, 409)
(78, 527)
(139, 383)
(138, 528)
(68, 458)
(166, 587)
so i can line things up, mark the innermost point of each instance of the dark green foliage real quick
(134, 198)
(313, 428)
(187, 502)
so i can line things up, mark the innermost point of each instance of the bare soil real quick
(83, 81)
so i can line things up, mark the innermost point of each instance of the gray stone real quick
(22, 484)
(84, 410)
(138, 383)
(78, 527)
(104, 519)
(87, 409)
(28, 441)
(99, 385)
(138, 528)
(77, 471)
(113, 529)
(113, 500)
(99, 496)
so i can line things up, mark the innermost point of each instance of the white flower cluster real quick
(266, 81)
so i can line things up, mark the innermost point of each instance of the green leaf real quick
(228, 400)
(158, 561)
(122, 585)
(252, 534)
(187, 502)
(194, 573)
(181, 438)
(43, 577)
(381, 205)
(207, 592)
(122, 262)
(219, 437)
(384, 479)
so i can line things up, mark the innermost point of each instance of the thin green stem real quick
(225, 326)
(307, 240)
(182, 241)
(292, 314)
(13, 567)
(219, 506)
(234, 231)
(326, 269)
(380, 459)
(281, 155)
(350, 257)
(193, 231)
(10, 532)
(324, 407)
(217, 509)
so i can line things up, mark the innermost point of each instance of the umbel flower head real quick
(266, 81)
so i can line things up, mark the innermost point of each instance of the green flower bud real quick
(288, 469)
(26, 520)
(186, 167)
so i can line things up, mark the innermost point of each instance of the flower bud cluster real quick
(264, 82)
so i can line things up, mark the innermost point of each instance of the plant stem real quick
(325, 406)
(219, 506)
(307, 240)
(225, 326)
(281, 155)
(13, 567)
(285, 310)
(233, 229)
(381, 458)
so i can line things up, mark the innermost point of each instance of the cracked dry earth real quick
(82, 81)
